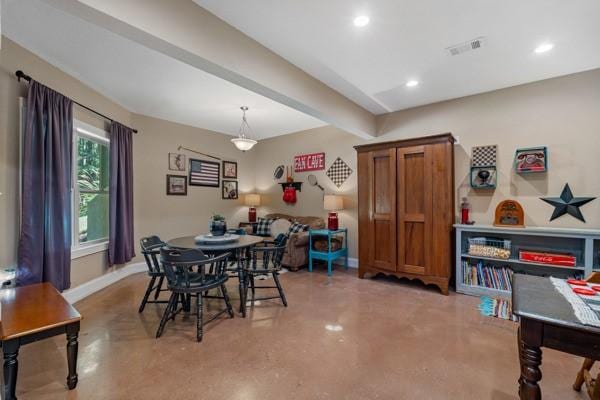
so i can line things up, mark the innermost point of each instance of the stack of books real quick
(499, 308)
(487, 275)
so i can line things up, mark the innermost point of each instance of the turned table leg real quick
(72, 346)
(530, 358)
(11, 367)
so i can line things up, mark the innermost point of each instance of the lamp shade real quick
(243, 144)
(252, 199)
(332, 202)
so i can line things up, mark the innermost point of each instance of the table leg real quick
(241, 278)
(11, 367)
(72, 346)
(531, 359)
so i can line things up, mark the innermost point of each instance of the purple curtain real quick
(45, 241)
(120, 239)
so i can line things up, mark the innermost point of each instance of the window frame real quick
(78, 249)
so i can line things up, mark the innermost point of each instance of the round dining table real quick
(239, 248)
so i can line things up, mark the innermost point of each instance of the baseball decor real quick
(509, 213)
(339, 172)
(567, 204)
(309, 162)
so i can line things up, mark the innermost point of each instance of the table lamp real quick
(333, 203)
(252, 200)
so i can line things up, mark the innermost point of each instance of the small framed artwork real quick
(230, 169)
(483, 177)
(205, 173)
(176, 185)
(230, 190)
(534, 159)
(176, 162)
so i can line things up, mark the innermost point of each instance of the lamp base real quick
(332, 221)
(252, 214)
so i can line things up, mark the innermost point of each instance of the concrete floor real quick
(346, 339)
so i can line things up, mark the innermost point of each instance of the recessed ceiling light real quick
(544, 47)
(361, 20)
(412, 83)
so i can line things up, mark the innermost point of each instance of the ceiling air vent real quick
(466, 46)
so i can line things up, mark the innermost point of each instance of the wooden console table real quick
(547, 320)
(32, 313)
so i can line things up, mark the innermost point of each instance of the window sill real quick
(86, 250)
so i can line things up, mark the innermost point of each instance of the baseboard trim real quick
(80, 292)
(352, 262)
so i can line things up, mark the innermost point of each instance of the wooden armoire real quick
(406, 208)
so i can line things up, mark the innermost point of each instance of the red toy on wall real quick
(289, 195)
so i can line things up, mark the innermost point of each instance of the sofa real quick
(296, 252)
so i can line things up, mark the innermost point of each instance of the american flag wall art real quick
(204, 173)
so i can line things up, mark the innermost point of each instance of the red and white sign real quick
(309, 162)
(565, 260)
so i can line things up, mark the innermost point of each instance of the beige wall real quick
(561, 113)
(12, 58)
(281, 151)
(173, 216)
(155, 213)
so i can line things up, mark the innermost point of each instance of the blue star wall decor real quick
(567, 204)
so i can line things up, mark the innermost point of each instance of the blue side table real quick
(328, 255)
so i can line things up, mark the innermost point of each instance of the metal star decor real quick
(567, 204)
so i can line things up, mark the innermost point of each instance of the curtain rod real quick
(22, 75)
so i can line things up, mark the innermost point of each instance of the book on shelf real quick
(487, 275)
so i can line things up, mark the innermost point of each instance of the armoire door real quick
(382, 218)
(414, 208)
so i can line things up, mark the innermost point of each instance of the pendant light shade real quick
(244, 142)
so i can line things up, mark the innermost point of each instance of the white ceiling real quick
(406, 39)
(140, 79)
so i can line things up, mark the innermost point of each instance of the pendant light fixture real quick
(243, 142)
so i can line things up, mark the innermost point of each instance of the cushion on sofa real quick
(263, 227)
(279, 226)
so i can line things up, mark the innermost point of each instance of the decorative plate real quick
(210, 238)
(585, 291)
(576, 282)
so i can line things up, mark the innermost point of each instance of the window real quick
(90, 188)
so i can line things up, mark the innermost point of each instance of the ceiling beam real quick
(187, 32)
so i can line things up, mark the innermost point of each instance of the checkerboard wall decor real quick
(484, 156)
(339, 172)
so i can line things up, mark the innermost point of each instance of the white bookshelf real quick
(583, 243)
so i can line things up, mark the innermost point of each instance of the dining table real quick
(239, 248)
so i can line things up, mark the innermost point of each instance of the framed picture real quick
(230, 190)
(176, 162)
(483, 177)
(204, 173)
(230, 169)
(534, 159)
(176, 185)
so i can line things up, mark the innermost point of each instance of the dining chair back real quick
(265, 260)
(151, 246)
(191, 273)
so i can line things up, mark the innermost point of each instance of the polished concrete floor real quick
(341, 339)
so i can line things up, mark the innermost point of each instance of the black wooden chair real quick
(151, 246)
(184, 283)
(265, 260)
